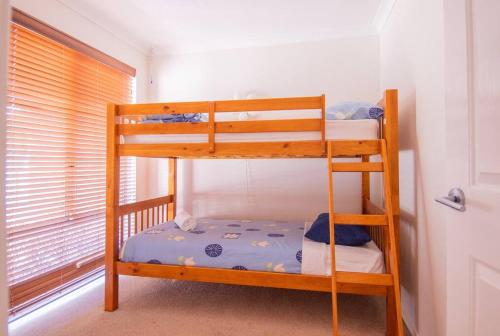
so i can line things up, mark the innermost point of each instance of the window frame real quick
(40, 287)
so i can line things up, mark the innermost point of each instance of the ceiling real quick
(183, 26)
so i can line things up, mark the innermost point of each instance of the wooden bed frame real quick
(122, 221)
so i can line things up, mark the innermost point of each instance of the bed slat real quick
(356, 283)
(356, 219)
(247, 126)
(162, 108)
(128, 208)
(167, 128)
(262, 126)
(277, 149)
(357, 167)
(273, 104)
(355, 147)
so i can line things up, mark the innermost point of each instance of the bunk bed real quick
(303, 137)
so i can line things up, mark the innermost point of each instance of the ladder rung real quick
(354, 147)
(369, 220)
(365, 278)
(357, 167)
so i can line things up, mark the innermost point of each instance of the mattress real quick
(276, 246)
(316, 258)
(367, 129)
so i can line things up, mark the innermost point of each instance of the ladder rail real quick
(386, 220)
(394, 269)
(332, 242)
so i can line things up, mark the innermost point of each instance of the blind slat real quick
(50, 225)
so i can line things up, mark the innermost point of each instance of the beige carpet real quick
(160, 307)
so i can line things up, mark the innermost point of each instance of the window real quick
(55, 161)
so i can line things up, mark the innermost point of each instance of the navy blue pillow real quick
(349, 235)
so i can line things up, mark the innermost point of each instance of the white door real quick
(472, 67)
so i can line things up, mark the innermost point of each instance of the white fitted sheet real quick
(316, 258)
(367, 129)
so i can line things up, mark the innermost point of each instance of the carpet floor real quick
(176, 308)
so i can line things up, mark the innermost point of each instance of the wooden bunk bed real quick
(123, 221)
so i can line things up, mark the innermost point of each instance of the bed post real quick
(112, 200)
(391, 135)
(365, 185)
(172, 187)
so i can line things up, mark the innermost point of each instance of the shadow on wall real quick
(416, 266)
(288, 189)
(236, 206)
(408, 198)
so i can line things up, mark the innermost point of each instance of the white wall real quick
(412, 56)
(4, 18)
(343, 69)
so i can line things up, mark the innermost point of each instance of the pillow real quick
(349, 235)
(373, 112)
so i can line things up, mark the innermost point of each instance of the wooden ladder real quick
(365, 148)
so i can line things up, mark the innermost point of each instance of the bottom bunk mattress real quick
(275, 246)
(316, 258)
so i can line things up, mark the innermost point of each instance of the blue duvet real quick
(274, 246)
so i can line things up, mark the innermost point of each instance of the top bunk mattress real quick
(365, 129)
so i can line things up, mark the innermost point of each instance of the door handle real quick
(455, 199)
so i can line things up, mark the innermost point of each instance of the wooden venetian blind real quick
(55, 164)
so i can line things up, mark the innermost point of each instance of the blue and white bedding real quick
(274, 246)
(339, 111)
(172, 118)
(354, 111)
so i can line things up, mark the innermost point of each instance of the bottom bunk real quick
(260, 245)
(141, 242)
(252, 252)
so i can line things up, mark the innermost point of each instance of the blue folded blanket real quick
(354, 111)
(172, 118)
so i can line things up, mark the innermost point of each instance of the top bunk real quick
(285, 128)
